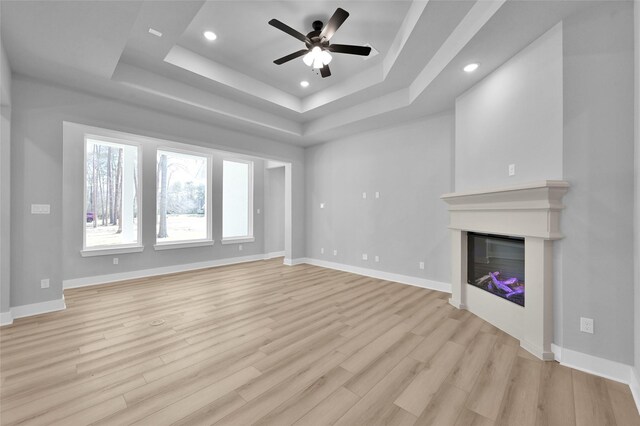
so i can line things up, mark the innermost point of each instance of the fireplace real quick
(489, 269)
(495, 263)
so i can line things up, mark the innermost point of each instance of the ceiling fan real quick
(317, 44)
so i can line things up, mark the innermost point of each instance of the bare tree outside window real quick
(181, 197)
(112, 195)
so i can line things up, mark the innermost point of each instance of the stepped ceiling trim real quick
(424, 47)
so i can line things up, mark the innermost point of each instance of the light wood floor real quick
(270, 344)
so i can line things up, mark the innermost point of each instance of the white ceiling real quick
(247, 44)
(105, 48)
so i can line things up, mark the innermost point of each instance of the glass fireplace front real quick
(495, 264)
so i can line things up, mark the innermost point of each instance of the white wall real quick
(513, 116)
(38, 112)
(5, 178)
(410, 166)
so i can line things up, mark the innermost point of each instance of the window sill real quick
(110, 251)
(238, 240)
(183, 244)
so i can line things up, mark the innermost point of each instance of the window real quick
(183, 207)
(112, 195)
(237, 200)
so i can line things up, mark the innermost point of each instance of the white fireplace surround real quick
(531, 211)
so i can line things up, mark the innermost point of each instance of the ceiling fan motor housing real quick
(314, 37)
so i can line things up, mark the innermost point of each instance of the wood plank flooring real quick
(262, 343)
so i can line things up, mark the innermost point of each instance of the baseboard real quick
(635, 386)
(388, 276)
(144, 273)
(293, 262)
(597, 366)
(6, 318)
(34, 309)
(592, 364)
(274, 254)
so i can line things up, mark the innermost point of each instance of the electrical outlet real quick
(586, 325)
(512, 169)
(364, 195)
(44, 283)
(321, 250)
(377, 194)
(258, 211)
(364, 256)
(115, 260)
(239, 247)
(377, 258)
(421, 265)
(335, 252)
(40, 209)
(322, 205)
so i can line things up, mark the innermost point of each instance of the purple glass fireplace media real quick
(495, 263)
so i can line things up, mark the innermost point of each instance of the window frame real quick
(116, 248)
(200, 242)
(250, 237)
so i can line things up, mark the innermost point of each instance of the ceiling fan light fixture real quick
(308, 58)
(317, 58)
(317, 62)
(325, 57)
(311, 58)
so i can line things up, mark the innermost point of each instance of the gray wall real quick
(637, 191)
(593, 137)
(410, 165)
(76, 266)
(597, 263)
(274, 210)
(37, 248)
(5, 179)
(513, 116)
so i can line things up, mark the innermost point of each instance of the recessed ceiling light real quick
(470, 68)
(155, 32)
(304, 83)
(210, 35)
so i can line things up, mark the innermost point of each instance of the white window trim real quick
(249, 237)
(208, 241)
(238, 240)
(121, 249)
(104, 136)
(183, 244)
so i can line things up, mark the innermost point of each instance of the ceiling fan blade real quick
(291, 56)
(287, 29)
(325, 71)
(349, 49)
(339, 16)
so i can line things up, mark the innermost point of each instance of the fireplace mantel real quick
(531, 211)
(528, 210)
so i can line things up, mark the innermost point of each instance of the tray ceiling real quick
(106, 47)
